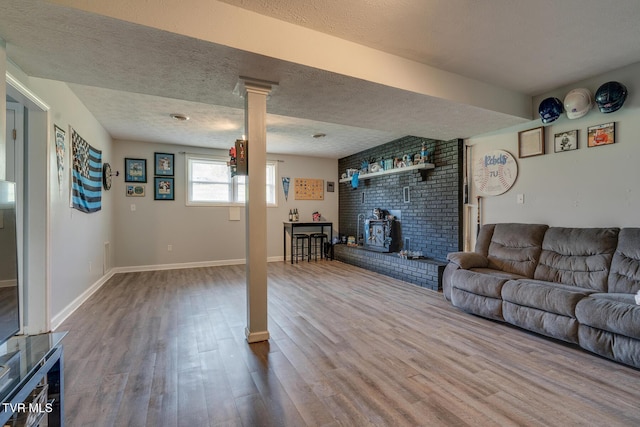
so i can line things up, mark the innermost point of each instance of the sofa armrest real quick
(467, 260)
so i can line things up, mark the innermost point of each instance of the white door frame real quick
(35, 286)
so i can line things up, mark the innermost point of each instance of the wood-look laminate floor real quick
(348, 347)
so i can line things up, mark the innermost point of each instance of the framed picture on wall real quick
(163, 164)
(601, 135)
(330, 186)
(531, 142)
(135, 170)
(135, 190)
(163, 188)
(565, 141)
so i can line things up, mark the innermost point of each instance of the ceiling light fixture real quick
(319, 135)
(179, 117)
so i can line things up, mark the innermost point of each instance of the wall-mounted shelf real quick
(422, 167)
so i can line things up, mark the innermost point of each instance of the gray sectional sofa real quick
(574, 284)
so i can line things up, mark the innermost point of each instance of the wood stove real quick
(382, 235)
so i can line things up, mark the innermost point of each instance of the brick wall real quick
(424, 273)
(431, 221)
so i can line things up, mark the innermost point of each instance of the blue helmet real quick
(550, 109)
(610, 97)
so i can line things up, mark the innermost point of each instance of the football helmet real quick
(610, 97)
(550, 109)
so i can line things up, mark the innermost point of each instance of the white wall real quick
(589, 187)
(76, 239)
(201, 234)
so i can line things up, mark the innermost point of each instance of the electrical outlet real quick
(520, 199)
(170, 248)
(133, 208)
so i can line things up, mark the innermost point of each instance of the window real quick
(209, 182)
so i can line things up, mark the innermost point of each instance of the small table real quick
(290, 226)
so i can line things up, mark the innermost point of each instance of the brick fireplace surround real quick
(431, 221)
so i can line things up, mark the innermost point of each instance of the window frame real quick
(233, 182)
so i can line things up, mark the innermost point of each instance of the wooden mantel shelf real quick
(419, 167)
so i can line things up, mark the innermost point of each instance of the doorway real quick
(26, 164)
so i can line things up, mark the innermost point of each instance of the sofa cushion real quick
(478, 291)
(624, 276)
(540, 321)
(577, 256)
(480, 305)
(608, 344)
(478, 283)
(546, 296)
(484, 239)
(468, 260)
(617, 313)
(515, 248)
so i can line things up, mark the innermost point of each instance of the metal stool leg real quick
(300, 248)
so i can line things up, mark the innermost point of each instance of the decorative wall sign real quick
(495, 172)
(601, 135)
(285, 186)
(309, 189)
(60, 148)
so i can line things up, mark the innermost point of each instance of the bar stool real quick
(300, 248)
(316, 244)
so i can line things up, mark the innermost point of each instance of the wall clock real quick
(106, 176)
(495, 172)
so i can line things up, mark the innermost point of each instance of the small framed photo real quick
(135, 170)
(135, 190)
(565, 141)
(531, 142)
(330, 186)
(163, 188)
(163, 164)
(604, 134)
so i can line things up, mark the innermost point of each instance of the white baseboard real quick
(11, 283)
(76, 303)
(177, 266)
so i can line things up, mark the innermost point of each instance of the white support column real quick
(255, 95)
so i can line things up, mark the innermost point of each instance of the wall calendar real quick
(309, 189)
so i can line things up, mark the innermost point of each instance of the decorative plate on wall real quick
(495, 172)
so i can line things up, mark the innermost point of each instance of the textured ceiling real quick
(528, 46)
(132, 76)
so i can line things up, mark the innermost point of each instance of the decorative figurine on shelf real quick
(364, 166)
(424, 154)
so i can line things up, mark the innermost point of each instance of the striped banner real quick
(86, 175)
